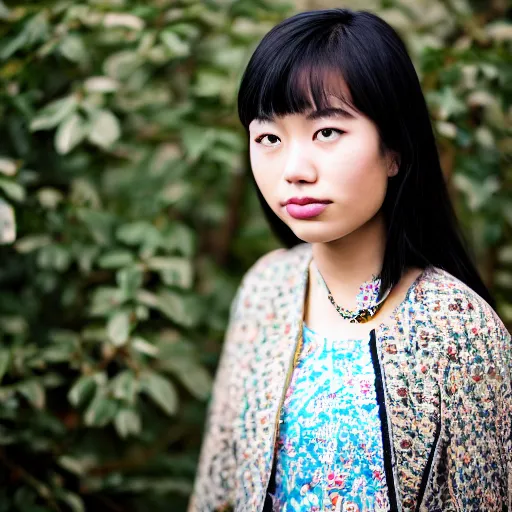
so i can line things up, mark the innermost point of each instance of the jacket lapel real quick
(407, 353)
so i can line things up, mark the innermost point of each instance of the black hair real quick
(291, 72)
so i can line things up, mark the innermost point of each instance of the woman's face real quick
(328, 164)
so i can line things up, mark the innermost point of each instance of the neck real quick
(349, 261)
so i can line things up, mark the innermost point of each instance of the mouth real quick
(305, 207)
(303, 201)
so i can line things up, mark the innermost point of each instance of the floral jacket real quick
(443, 378)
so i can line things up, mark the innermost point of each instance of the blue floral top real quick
(329, 450)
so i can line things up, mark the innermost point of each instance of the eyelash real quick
(261, 137)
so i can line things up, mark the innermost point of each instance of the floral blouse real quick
(329, 450)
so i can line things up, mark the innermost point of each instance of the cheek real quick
(360, 174)
(263, 175)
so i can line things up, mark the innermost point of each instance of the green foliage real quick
(124, 160)
(121, 153)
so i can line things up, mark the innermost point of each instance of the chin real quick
(315, 233)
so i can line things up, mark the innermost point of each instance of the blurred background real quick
(127, 218)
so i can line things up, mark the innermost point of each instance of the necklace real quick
(367, 304)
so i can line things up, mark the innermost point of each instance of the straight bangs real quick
(299, 78)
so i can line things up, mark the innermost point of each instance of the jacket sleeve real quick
(214, 482)
(478, 412)
(506, 409)
(214, 486)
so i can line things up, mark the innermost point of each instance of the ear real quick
(393, 163)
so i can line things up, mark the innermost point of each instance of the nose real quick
(298, 166)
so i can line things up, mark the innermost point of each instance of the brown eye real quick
(329, 134)
(271, 140)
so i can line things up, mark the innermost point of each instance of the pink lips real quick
(305, 207)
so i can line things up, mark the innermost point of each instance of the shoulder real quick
(452, 305)
(277, 265)
(272, 271)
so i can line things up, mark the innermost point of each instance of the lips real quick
(305, 207)
(302, 201)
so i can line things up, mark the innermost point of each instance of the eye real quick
(272, 139)
(329, 134)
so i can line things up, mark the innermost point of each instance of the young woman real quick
(364, 368)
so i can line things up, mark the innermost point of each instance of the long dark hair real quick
(291, 71)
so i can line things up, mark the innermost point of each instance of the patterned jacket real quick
(443, 378)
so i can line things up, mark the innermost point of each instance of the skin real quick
(336, 157)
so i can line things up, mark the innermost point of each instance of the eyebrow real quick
(316, 114)
(330, 112)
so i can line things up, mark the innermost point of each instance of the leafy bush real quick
(122, 155)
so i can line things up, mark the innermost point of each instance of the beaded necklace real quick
(367, 304)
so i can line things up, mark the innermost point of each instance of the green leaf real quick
(195, 378)
(122, 64)
(139, 233)
(503, 278)
(101, 84)
(180, 239)
(54, 256)
(175, 44)
(174, 271)
(141, 312)
(118, 328)
(156, 486)
(105, 129)
(186, 30)
(147, 298)
(71, 499)
(507, 213)
(73, 48)
(99, 223)
(52, 380)
(5, 359)
(54, 113)
(101, 410)
(70, 133)
(72, 464)
(7, 223)
(209, 83)
(127, 422)
(177, 308)
(49, 198)
(105, 300)
(161, 391)
(126, 20)
(58, 353)
(144, 347)
(33, 391)
(4, 11)
(197, 140)
(124, 386)
(83, 389)
(448, 104)
(129, 280)
(12, 190)
(8, 167)
(477, 193)
(115, 259)
(31, 243)
(34, 30)
(505, 254)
